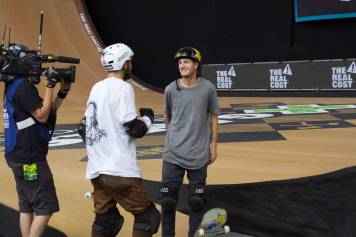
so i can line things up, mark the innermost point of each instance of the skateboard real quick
(213, 223)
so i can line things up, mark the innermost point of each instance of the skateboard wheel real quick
(88, 195)
(227, 229)
(200, 232)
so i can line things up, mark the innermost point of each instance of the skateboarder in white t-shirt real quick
(111, 129)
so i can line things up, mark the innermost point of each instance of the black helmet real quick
(188, 52)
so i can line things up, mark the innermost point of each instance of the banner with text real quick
(279, 76)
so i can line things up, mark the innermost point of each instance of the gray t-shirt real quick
(188, 136)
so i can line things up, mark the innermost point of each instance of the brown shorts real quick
(128, 192)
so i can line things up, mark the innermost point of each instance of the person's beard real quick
(127, 74)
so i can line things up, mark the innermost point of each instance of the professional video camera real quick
(17, 60)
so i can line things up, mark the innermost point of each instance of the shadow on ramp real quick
(322, 205)
(9, 224)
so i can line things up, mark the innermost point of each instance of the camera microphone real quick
(62, 59)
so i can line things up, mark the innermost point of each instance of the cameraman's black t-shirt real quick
(30, 147)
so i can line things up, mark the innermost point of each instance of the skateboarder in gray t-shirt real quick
(191, 109)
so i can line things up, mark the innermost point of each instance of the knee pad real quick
(169, 198)
(196, 199)
(108, 224)
(148, 220)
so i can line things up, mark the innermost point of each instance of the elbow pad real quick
(136, 128)
(82, 128)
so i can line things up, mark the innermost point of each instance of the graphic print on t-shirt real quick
(93, 132)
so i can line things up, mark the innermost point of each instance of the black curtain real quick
(225, 31)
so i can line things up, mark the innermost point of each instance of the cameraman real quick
(28, 120)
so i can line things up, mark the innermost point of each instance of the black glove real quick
(51, 80)
(64, 89)
(147, 112)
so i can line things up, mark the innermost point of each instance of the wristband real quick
(147, 121)
(61, 94)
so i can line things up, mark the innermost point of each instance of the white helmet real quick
(114, 56)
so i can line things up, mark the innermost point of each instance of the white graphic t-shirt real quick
(110, 149)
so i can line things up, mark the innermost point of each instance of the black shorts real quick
(38, 196)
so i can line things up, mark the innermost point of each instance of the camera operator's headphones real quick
(190, 53)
